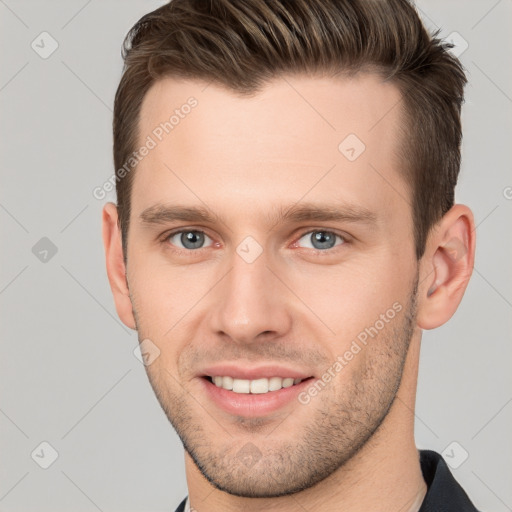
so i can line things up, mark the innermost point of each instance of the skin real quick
(352, 446)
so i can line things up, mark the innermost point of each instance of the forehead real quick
(330, 139)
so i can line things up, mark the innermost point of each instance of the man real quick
(285, 229)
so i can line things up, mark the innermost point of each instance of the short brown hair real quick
(242, 44)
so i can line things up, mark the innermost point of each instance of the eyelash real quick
(165, 240)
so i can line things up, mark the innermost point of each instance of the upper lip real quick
(254, 372)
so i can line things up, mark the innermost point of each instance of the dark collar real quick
(181, 506)
(444, 494)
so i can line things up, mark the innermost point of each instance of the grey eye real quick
(190, 239)
(320, 239)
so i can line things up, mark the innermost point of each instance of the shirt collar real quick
(444, 494)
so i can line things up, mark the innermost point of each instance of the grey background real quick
(68, 375)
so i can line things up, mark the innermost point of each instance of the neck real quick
(385, 475)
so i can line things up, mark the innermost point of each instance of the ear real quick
(116, 269)
(446, 267)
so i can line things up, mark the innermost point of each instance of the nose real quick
(251, 302)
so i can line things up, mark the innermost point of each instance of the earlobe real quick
(116, 269)
(447, 266)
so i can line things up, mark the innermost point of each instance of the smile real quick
(256, 397)
(254, 386)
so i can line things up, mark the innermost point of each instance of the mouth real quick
(256, 397)
(259, 386)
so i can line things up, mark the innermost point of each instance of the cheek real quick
(161, 293)
(345, 299)
(169, 303)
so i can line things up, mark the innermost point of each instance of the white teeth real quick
(256, 386)
(259, 386)
(227, 382)
(275, 383)
(241, 386)
(287, 383)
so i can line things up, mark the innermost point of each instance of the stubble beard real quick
(342, 422)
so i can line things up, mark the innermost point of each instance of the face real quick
(271, 263)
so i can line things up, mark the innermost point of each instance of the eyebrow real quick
(298, 212)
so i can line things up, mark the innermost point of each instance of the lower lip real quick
(252, 405)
